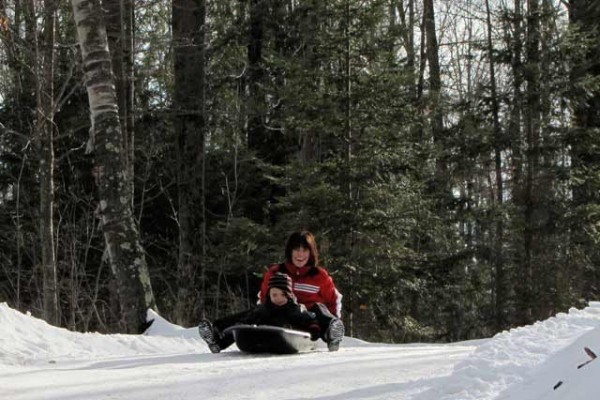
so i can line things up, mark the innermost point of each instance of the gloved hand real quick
(315, 332)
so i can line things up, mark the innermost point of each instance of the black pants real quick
(323, 316)
(226, 340)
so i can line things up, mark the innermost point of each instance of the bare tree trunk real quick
(408, 25)
(45, 127)
(348, 91)
(433, 60)
(120, 32)
(500, 288)
(525, 309)
(257, 139)
(125, 253)
(422, 62)
(352, 187)
(515, 133)
(434, 101)
(189, 35)
(310, 148)
(517, 101)
(6, 38)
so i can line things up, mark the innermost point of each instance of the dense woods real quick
(446, 154)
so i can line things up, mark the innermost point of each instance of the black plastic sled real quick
(270, 339)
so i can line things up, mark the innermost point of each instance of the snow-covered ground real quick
(38, 361)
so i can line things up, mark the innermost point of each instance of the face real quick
(277, 296)
(300, 257)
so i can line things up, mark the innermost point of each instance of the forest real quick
(157, 154)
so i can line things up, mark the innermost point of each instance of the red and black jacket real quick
(311, 285)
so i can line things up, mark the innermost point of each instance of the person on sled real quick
(312, 287)
(282, 309)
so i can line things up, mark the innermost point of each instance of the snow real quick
(38, 361)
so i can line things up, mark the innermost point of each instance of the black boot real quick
(335, 334)
(209, 335)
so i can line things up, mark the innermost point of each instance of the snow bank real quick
(530, 359)
(25, 340)
(162, 327)
(568, 374)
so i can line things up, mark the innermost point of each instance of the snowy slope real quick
(529, 359)
(38, 361)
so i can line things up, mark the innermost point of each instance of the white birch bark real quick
(125, 253)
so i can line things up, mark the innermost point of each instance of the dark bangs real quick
(306, 240)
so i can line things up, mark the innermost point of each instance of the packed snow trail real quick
(377, 373)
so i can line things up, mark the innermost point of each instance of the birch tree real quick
(123, 247)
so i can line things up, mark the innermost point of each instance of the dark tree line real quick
(443, 152)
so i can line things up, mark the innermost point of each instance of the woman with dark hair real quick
(312, 286)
